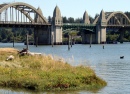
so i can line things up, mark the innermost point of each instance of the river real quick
(106, 63)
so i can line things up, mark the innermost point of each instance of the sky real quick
(76, 8)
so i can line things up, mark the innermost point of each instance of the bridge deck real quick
(78, 24)
(22, 24)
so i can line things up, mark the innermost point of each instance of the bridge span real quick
(23, 15)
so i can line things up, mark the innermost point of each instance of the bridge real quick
(106, 20)
(23, 15)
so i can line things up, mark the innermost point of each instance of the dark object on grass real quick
(23, 52)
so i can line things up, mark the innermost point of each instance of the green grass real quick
(43, 73)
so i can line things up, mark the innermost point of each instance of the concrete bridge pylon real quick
(101, 28)
(37, 17)
(86, 18)
(41, 33)
(57, 26)
(87, 34)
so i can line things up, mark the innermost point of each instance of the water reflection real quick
(17, 91)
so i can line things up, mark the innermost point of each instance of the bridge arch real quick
(113, 15)
(16, 6)
(95, 21)
(26, 14)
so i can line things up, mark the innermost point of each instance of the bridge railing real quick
(13, 22)
(78, 24)
(83, 24)
(123, 26)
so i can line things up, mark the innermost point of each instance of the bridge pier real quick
(121, 36)
(57, 26)
(0, 16)
(42, 35)
(103, 35)
(87, 38)
(57, 38)
(101, 29)
(100, 34)
(122, 32)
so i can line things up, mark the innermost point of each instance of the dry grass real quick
(43, 72)
(8, 50)
(44, 62)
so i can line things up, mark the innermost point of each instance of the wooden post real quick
(13, 40)
(74, 41)
(52, 39)
(121, 36)
(36, 41)
(90, 39)
(68, 42)
(103, 46)
(37, 38)
(0, 16)
(27, 40)
(71, 40)
(14, 37)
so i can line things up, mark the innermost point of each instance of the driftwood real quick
(11, 57)
(23, 52)
(33, 54)
(27, 52)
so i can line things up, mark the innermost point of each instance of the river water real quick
(106, 63)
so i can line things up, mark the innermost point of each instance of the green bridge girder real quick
(82, 27)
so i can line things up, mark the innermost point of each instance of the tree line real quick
(73, 20)
(80, 20)
(15, 34)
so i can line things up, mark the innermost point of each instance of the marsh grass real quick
(45, 73)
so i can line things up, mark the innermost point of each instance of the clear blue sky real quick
(76, 8)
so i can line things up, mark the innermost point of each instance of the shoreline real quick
(42, 73)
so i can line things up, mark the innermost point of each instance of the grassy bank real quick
(42, 73)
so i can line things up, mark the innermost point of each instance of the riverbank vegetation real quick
(43, 73)
(15, 34)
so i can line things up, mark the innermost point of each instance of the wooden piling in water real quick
(68, 42)
(90, 40)
(52, 39)
(13, 41)
(71, 40)
(27, 41)
(36, 41)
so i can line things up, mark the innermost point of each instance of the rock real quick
(33, 54)
(11, 57)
